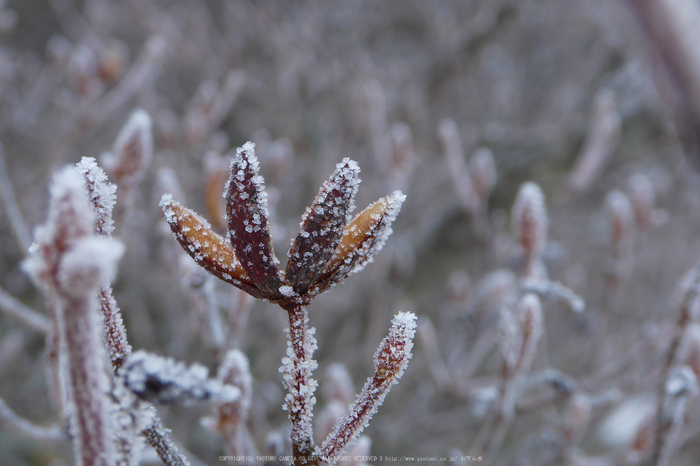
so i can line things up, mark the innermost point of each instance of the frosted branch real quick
(72, 264)
(159, 437)
(390, 361)
(553, 290)
(297, 368)
(166, 381)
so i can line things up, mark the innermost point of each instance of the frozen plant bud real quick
(620, 216)
(530, 223)
(643, 198)
(451, 142)
(577, 417)
(482, 169)
(132, 149)
(112, 61)
(70, 218)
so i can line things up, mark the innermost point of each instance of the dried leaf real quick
(247, 218)
(362, 238)
(207, 248)
(322, 226)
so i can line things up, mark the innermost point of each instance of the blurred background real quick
(575, 96)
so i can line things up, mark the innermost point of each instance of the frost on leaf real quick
(322, 226)
(132, 149)
(163, 380)
(248, 225)
(102, 194)
(390, 361)
(207, 248)
(362, 238)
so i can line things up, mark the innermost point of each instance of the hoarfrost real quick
(89, 264)
(133, 147)
(102, 194)
(166, 381)
(391, 359)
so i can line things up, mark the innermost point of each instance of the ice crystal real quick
(166, 381)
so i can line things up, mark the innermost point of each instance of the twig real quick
(29, 429)
(19, 227)
(12, 307)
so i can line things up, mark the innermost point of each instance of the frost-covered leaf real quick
(102, 194)
(132, 149)
(207, 248)
(362, 238)
(248, 225)
(390, 361)
(322, 226)
(163, 380)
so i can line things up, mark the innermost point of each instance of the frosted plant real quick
(329, 247)
(71, 263)
(530, 226)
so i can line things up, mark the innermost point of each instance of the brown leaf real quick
(206, 247)
(362, 238)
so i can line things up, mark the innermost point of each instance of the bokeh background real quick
(313, 82)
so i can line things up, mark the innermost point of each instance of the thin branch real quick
(19, 227)
(28, 429)
(14, 308)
